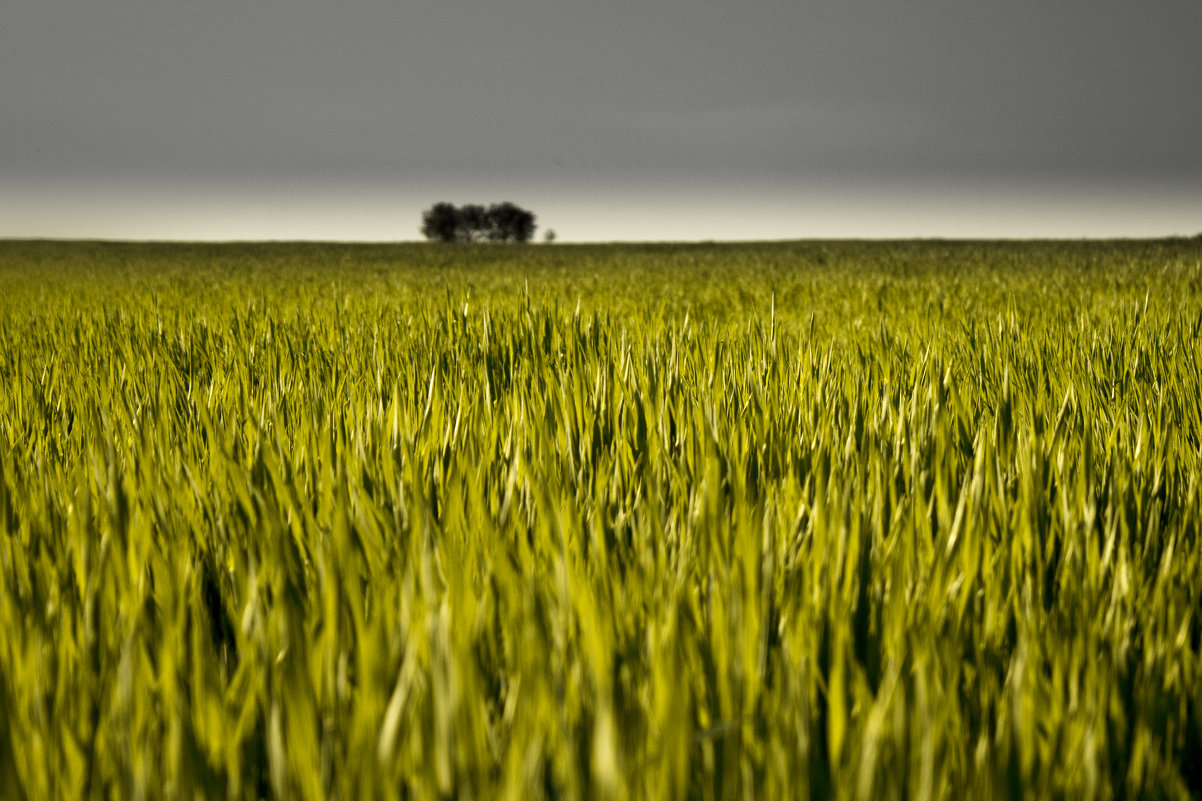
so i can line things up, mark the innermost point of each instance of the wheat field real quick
(893, 520)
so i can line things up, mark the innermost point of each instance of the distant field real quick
(801, 520)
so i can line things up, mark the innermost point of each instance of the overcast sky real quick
(269, 119)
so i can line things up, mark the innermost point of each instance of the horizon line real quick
(571, 242)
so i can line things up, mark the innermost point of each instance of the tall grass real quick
(896, 520)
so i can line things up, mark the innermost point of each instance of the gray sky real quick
(271, 119)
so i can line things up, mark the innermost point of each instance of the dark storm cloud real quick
(599, 93)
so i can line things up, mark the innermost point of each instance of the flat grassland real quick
(795, 520)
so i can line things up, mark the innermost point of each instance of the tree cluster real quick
(500, 222)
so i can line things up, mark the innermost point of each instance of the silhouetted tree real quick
(440, 222)
(509, 223)
(472, 223)
(501, 222)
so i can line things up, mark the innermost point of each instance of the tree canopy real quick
(500, 222)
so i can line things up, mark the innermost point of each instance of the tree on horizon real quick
(500, 222)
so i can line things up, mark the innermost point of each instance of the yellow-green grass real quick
(797, 520)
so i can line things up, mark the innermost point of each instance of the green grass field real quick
(908, 520)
